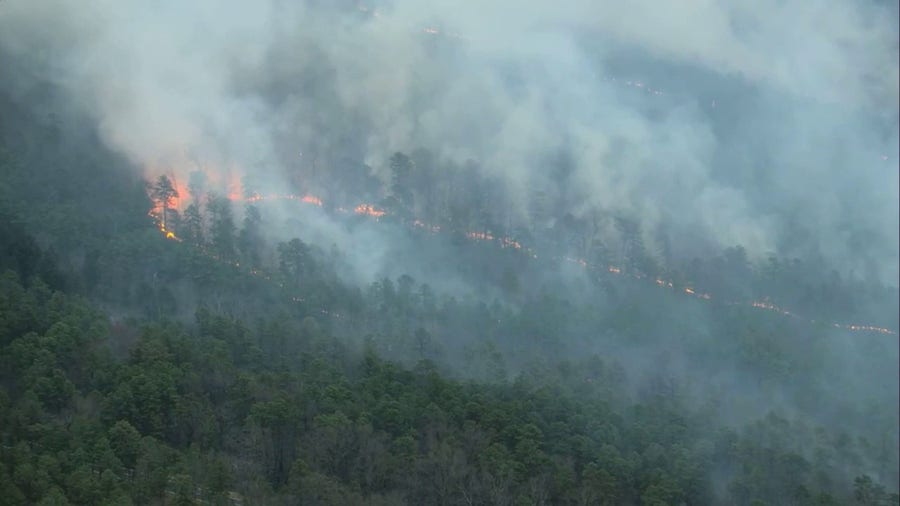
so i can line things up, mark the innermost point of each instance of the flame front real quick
(235, 194)
(368, 210)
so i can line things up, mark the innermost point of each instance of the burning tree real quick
(164, 192)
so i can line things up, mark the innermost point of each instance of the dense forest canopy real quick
(402, 257)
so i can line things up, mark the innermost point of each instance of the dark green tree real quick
(222, 228)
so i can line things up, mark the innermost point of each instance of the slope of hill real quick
(241, 369)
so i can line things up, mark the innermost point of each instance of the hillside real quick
(336, 253)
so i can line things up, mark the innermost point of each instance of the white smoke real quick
(245, 85)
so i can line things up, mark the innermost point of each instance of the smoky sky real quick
(768, 124)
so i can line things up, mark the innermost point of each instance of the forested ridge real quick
(225, 369)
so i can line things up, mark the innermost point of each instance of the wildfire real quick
(870, 328)
(580, 261)
(431, 228)
(235, 188)
(368, 210)
(506, 242)
(168, 234)
(235, 194)
(256, 197)
(770, 307)
(765, 305)
(480, 236)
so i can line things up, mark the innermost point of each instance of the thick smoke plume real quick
(769, 124)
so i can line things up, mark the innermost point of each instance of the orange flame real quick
(369, 210)
(235, 187)
(235, 193)
(168, 234)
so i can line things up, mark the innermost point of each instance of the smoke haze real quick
(771, 125)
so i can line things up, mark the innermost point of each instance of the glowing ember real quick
(312, 199)
(368, 210)
(480, 236)
(579, 261)
(770, 307)
(764, 305)
(430, 228)
(506, 242)
(870, 328)
(235, 194)
(168, 234)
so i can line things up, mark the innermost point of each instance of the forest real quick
(142, 370)
(414, 325)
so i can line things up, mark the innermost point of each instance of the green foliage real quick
(193, 414)
(259, 396)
